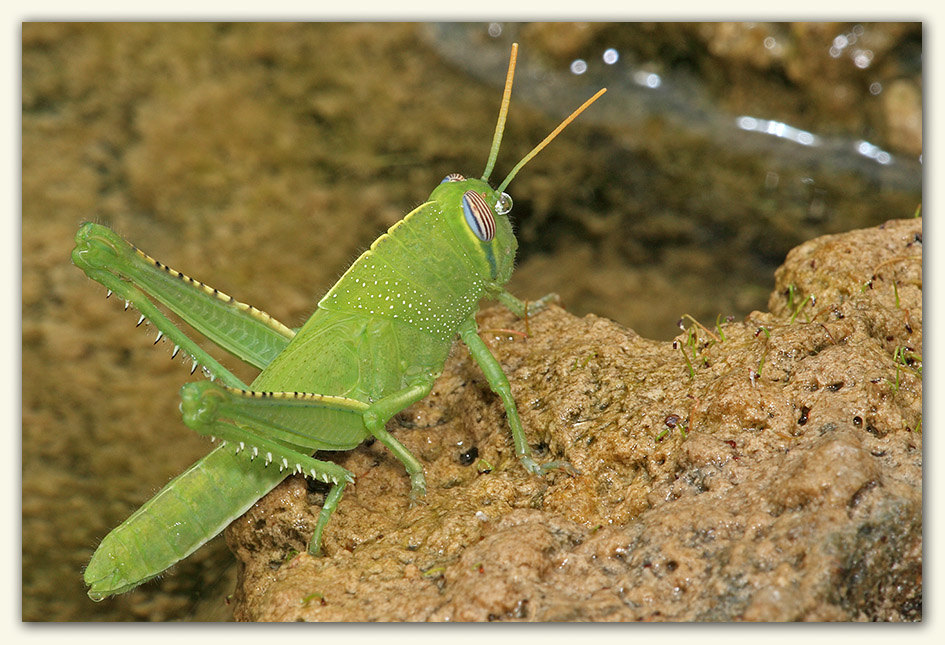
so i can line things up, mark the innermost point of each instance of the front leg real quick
(522, 308)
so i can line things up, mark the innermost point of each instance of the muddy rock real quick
(767, 469)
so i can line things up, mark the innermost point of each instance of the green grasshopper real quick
(375, 345)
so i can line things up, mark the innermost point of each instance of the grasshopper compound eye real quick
(453, 176)
(478, 215)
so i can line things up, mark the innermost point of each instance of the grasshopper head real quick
(478, 214)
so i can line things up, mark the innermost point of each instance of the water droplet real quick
(504, 205)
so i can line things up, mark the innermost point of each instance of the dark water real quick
(707, 169)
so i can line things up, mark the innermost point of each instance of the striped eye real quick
(478, 215)
(453, 176)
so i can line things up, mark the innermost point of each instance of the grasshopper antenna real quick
(503, 112)
(548, 140)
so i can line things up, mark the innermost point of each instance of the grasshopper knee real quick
(95, 247)
(199, 403)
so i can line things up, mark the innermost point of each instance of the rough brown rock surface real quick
(763, 470)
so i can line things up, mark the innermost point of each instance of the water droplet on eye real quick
(504, 205)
